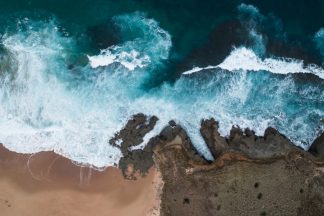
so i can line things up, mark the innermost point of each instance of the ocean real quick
(73, 73)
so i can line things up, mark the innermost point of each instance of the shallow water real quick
(71, 78)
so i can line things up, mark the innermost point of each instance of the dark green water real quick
(189, 22)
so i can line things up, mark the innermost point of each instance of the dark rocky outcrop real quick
(215, 142)
(133, 132)
(251, 175)
(317, 148)
(272, 144)
(130, 136)
(142, 159)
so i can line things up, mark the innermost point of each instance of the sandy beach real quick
(49, 184)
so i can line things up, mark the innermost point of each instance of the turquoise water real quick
(71, 75)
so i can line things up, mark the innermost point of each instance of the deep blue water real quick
(72, 74)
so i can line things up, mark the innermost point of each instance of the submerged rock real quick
(219, 44)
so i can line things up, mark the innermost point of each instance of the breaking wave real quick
(245, 59)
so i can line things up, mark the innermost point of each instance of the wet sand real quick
(48, 184)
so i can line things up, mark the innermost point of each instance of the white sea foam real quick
(152, 44)
(197, 69)
(245, 59)
(39, 113)
(45, 106)
(114, 54)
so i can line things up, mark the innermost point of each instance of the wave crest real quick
(145, 44)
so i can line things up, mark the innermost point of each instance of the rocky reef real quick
(251, 175)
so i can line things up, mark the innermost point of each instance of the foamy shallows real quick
(44, 105)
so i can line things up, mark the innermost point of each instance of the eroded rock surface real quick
(272, 144)
(251, 175)
(131, 136)
(317, 148)
(142, 159)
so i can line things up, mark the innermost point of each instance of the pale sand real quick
(46, 184)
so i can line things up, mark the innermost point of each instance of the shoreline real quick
(251, 175)
(49, 184)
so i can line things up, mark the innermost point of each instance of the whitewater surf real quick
(57, 96)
